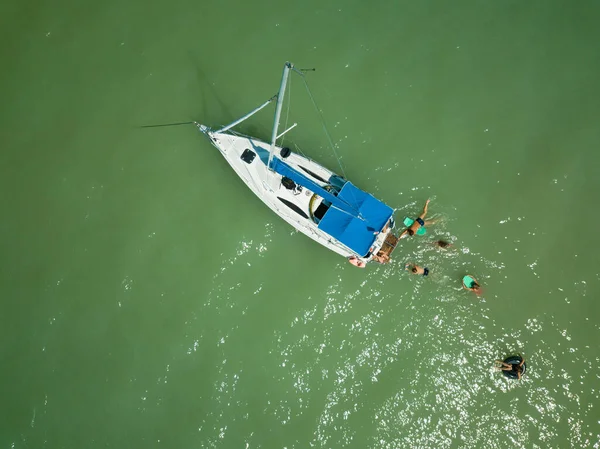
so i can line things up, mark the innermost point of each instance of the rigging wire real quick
(324, 126)
(339, 161)
(300, 151)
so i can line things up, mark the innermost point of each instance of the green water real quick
(150, 300)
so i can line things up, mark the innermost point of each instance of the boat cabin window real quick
(313, 174)
(293, 206)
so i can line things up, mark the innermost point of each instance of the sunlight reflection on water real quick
(412, 360)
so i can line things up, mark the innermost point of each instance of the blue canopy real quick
(354, 217)
(358, 231)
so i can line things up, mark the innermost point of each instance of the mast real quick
(284, 78)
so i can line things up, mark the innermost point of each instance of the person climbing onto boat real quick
(470, 283)
(417, 226)
(357, 262)
(416, 269)
(381, 257)
(515, 369)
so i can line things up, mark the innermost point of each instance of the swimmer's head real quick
(414, 269)
(411, 232)
(443, 244)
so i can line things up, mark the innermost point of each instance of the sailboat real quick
(313, 199)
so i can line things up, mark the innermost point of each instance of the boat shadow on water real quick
(209, 96)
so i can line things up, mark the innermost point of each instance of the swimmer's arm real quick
(522, 361)
(424, 210)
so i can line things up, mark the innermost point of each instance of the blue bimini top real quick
(357, 230)
(354, 217)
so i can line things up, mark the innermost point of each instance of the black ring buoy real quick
(514, 360)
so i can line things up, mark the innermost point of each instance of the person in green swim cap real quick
(470, 283)
(416, 226)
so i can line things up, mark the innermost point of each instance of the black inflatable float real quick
(514, 360)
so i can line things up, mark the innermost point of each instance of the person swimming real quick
(417, 226)
(470, 283)
(514, 370)
(442, 244)
(416, 269)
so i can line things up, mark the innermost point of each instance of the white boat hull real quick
(293, 206)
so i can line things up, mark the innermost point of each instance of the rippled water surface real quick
(150, 300)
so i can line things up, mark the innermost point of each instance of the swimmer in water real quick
(442, 244)
(470, 283)
(516, 368)
(416, 269)
(417, 226)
